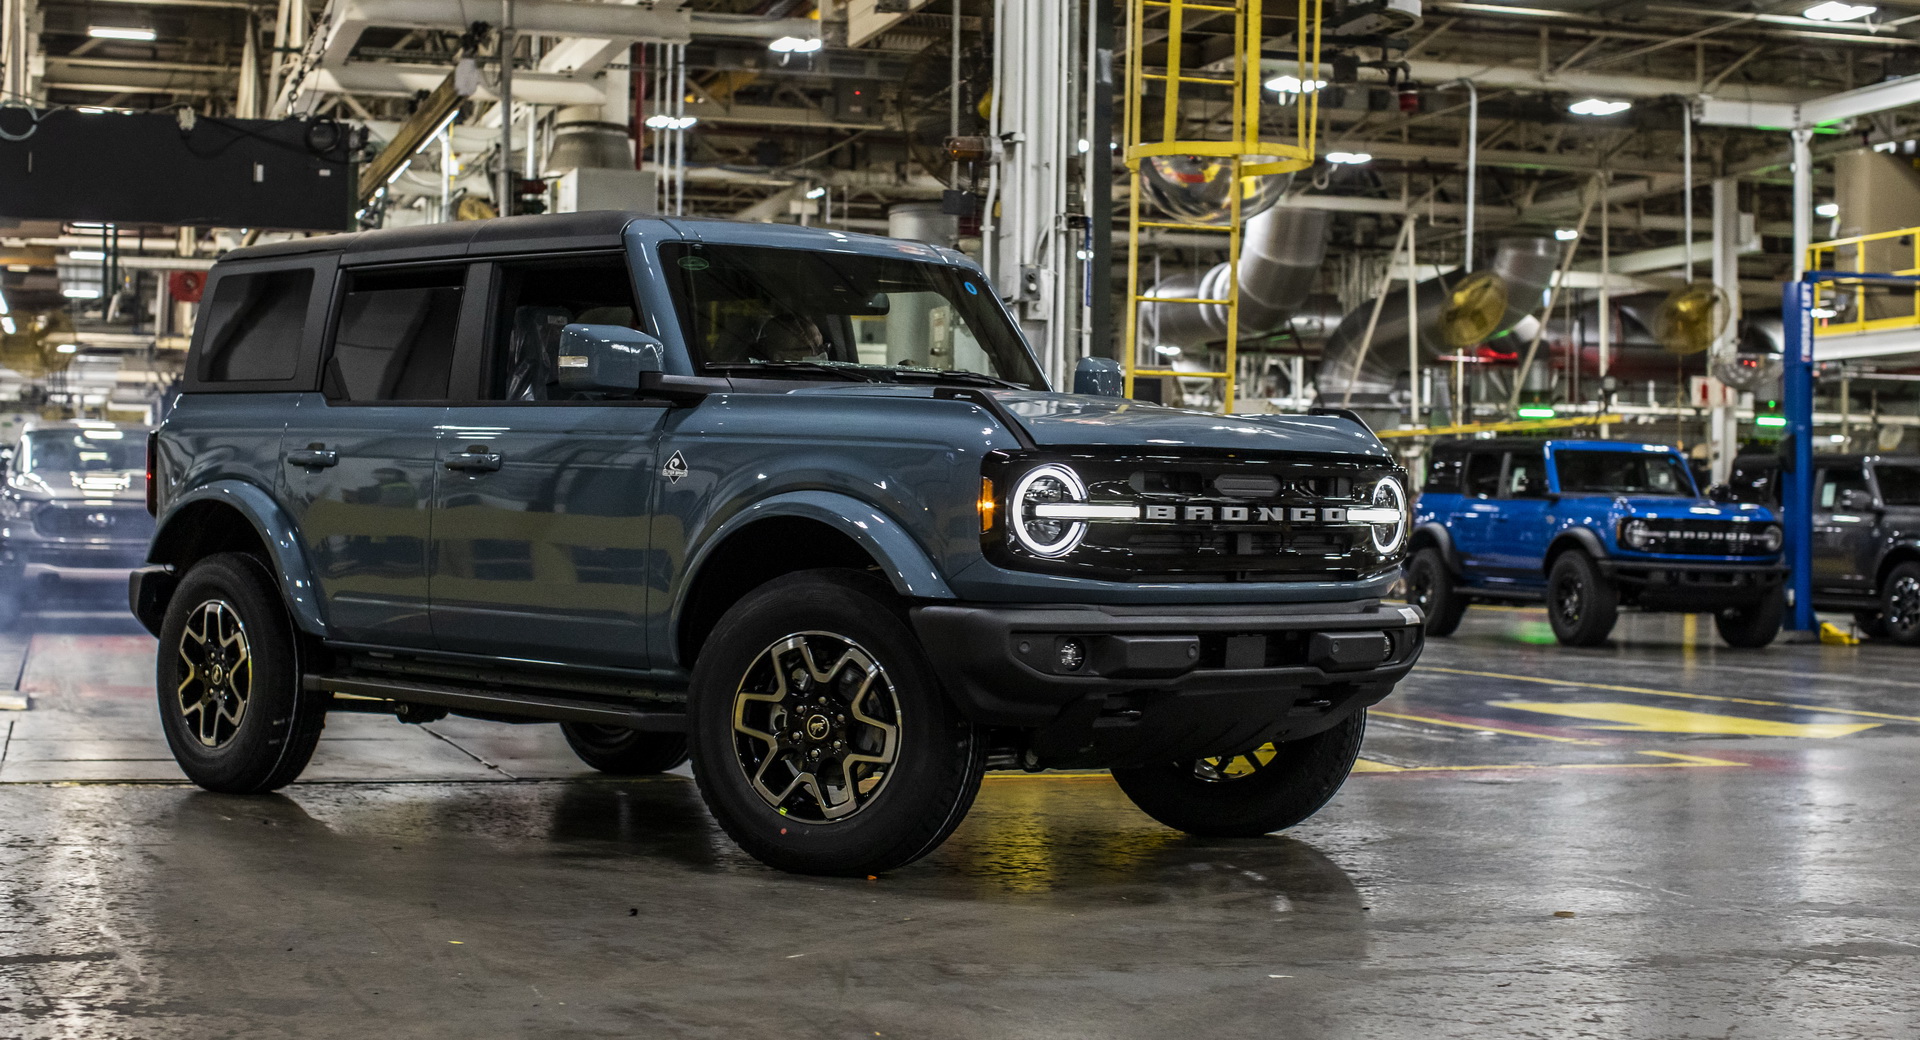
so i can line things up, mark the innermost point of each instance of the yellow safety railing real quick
(1843, 302)
(1166, 22)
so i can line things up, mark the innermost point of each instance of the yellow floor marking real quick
(1681, 762)
(1367, 765)
(1675, 693)
(1476, 727)
(1639, 718)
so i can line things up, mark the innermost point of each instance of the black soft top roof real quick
(559, 231)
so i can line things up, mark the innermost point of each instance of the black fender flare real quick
(1901, 551)
(1572, 538)
(1437, 534)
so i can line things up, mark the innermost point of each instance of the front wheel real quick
(1243, 796)
(821, 738)
(1900, 604)
(1752, 627)
(1581, 604)
(1430, 587)
(619, 751)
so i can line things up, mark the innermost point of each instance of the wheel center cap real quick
(217, 676)
(818, 726)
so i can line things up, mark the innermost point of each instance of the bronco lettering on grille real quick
(1249, 514)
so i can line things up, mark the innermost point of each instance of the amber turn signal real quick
(986, 504)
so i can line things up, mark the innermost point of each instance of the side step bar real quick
(500, 702)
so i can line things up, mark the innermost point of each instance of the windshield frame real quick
(1686, 490)
(982, 313)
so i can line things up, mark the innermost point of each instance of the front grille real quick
(120, 523)
(75, 556)
(1220, 517)
(1707, 538)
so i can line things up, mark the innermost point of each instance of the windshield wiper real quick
(958, 375)
(837, 369)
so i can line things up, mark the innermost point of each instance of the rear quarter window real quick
(254, 325)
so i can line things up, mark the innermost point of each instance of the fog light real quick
(1071, 654)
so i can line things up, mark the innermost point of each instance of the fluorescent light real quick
(67, 348)
(1823, 312)
(1769, 420)
(1597, 107)
(437, 131)
(795, 45)
(120, 32)
(86, 254)
(87, 225)
(817, 193)
(1536, 411)
(1292, 85)
(1167, 351)
(4, 309)
(1084, 146)
(6, 325)
(1827, 209)
(1566, 234)
(80, 294)
(398, 170)
(91, 110)
(1832, 11)
(665, 122)
(1349, 158)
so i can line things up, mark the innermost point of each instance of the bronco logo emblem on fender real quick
(675, 468)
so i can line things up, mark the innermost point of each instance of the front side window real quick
(1622, 473)
(1527, 475)
(1899, 485)
(748, 310)
(81, 451)
(1837, 482)
(395, 337)
(1483, 474)
(253, 326)
(537, 300)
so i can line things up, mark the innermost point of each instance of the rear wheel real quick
(1752, 627)
(625, 752)
(1871, 623)
(821, 738)
(1430, 587)
(1900, 604)
(228, 671)
(1581, 604)
(1243, 796)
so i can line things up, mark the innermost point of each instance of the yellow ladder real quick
(1246, 154)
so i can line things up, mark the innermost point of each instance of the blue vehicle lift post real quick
(1796, 489)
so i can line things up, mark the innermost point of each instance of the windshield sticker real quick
(693, 263)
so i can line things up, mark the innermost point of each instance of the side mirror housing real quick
(1099, 377)
(606, 358)
(1719, 493)
(1855, 500)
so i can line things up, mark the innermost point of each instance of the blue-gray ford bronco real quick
(795, 503)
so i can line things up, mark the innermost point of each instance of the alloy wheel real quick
(1228, 768)
(1567, 599)
(1903, 604)
(218, 679)
(816, 727)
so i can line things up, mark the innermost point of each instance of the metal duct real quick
(1280, 255)
(1527, 264)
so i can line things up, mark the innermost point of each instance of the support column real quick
(1723, 434)
(1796, 486)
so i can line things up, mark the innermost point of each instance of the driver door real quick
(1840, 530)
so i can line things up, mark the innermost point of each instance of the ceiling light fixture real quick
(121, 32)
(437, 131)
(1833, 11)
(664, 122)
(7, 326)
(86, 254)
(817, 193)
(1597, 107)
(1827, 209)
(1292, 85)
(1349, 158)
(80, 294)
(795, 45)
(67, 348)
(1566, 234)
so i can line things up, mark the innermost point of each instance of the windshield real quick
(1622, 473)
(1899, 485)
(81, 451)
(751, 310)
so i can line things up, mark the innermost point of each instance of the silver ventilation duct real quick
(1527, 264)
(1280, 255)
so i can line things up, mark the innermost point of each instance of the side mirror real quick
(1719, 493)
(606, 358)
(1855, 500)
(1099, 377)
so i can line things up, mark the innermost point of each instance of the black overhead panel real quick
(154, 168)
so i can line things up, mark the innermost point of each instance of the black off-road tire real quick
(937, 758)
(1277, 792)
(253, 729)
(620, 751)
(1430, 587)
(1900, 604)
(1582, 605)
(1752, 627)
(1871, 623)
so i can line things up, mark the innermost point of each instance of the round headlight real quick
(1771, 537)
(1040, 534)
(1636, 534)
(1389, 534)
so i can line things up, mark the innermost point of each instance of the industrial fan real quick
(1691, 318)
(34, 350)
(1473, 310)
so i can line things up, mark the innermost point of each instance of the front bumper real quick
(1160, 684)
(1693, 585)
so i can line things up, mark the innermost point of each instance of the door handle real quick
(474, 461)
(313, 456)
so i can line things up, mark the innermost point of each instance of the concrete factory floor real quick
(1662, 839)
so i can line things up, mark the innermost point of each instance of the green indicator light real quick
(1538, 412)
(1770, 420)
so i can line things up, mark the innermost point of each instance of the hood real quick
(127, 485)
(1670, 508)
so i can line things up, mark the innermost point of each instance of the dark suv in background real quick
(1587, 527)
(1866, 535)
(73, 516)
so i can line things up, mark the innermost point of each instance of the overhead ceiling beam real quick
(406, 80)
(1599, 84)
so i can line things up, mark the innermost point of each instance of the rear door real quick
(358, 460)
(541, 523)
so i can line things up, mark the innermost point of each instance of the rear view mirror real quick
(1099, 377)
(606, 358)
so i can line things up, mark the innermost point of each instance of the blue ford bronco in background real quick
(794, 502)
(1589, 526)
